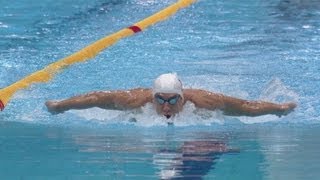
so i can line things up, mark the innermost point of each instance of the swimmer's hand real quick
(285, 109)
(52, 107)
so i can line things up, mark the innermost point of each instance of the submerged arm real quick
(237, 107)
(117, 100)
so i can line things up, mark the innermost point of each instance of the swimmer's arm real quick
(237, 107)
(115, 100)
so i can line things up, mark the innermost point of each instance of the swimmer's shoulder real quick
(141, 90)
(190, 93)
(197, 96)
(142, 95)
(145, 92)
(198, 92)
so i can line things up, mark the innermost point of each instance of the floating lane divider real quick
(89, 51)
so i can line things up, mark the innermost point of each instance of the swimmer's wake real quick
(88, 52)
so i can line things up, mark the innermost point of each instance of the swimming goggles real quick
(172, 101)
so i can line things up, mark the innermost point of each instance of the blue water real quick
(251, 49)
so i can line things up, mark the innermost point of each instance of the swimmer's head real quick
(167, 83)
(168, 95)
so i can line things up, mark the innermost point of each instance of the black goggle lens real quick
(173, 100)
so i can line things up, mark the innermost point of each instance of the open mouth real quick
(167, 116)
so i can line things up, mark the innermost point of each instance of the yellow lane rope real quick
(89, 51)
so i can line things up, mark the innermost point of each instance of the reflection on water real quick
(193, 160)
(190, 158)
(128, 152)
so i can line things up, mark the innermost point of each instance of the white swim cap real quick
(167, 83)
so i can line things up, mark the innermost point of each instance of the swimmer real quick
(168, 99)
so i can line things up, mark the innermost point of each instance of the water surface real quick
(249, 49)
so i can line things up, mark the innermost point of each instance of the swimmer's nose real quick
(166, 110)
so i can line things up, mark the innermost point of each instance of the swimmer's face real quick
(168, 104)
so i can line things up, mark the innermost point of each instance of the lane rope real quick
(88, 52)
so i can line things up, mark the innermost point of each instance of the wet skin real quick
(139, 97)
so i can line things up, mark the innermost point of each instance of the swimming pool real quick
(252, 49)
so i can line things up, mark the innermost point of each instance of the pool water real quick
(267, 50)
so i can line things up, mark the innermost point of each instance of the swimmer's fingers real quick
(52, 107)
(286, 108)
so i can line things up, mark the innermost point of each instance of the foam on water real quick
(147, 116)
(276, 91)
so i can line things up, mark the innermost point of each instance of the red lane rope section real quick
(135, 29)
(1, 105)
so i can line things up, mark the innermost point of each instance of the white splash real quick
(276, 91)
(148, 117)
